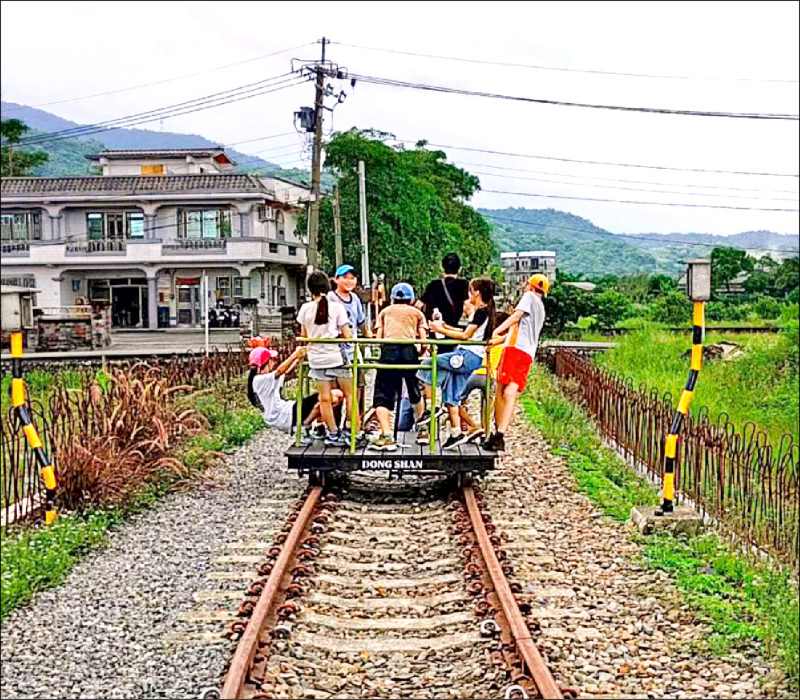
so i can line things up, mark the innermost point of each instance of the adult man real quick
(447, 294)
(521, 331)
(346, 281)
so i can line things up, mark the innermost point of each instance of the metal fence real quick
(83, 409)
(735, 476)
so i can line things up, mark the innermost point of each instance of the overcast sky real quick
(731, 57)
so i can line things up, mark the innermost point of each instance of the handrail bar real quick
(392, 341)
(356, 365)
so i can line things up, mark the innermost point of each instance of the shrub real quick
(767, 307)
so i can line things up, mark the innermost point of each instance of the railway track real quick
(373, 593)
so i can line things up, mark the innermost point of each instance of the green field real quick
(759, 385)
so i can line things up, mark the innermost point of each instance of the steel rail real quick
(540, 673)
(248, 644)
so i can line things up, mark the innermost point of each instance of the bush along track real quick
(39, 558)
(749, 604)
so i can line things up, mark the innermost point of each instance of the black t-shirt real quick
(481, 319)
(434, 298)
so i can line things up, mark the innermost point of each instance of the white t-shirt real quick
(323, 355)
(525, 335)
(278, 412)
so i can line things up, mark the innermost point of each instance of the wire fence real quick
(735, 476)
(106, 430)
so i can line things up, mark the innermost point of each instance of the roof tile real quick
(131, 184)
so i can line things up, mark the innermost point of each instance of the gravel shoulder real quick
(143, 616)
(608, 625)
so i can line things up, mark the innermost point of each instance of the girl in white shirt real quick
(264, 384)
(320, 319)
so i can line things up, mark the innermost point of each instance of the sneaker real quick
(425, 418)
(385, 443)
(475, 435)
(336, 439)
(454, 441)
(319, 431)
(423, 436)
(494, 443)
(308, 437)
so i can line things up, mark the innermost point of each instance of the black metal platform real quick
(409, 458)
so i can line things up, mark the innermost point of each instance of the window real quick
(134, 224)
(28, 281)
(273, 247)
(95, 226)
(265, 213)
(292, 250)
(224, 290)
(241, 288)
(209, 224)
(22, 226)
(152, 170)
(281, 226)
(535, 263)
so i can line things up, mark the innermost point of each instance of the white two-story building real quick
(141, 236)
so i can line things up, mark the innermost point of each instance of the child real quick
(522, 331)
(264, 384)
(401, 320)
(320, 319)
(477, 382)
(344, 293)
(456, 367)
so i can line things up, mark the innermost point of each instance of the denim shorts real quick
(453, 380)
(329, 374)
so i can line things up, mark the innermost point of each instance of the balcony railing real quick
(96, 247)
(185, 245)
(21, 248)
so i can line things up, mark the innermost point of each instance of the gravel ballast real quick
(608, 624)
(130, 621)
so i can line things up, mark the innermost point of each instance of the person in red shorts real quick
(521, 331)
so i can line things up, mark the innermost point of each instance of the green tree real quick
(14, 162)
(611, 307)
(787, 277)
(673, 308)
(727, 263)
(564, 305)
(416, 209)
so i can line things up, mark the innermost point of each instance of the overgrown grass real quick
(34, 559)
(760, 385)
(744, 601)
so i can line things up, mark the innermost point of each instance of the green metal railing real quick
(356, 366)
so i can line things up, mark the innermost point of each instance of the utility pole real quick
(337, 228)
(316, 164)
(362, 215)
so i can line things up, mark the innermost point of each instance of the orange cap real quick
(539, 282)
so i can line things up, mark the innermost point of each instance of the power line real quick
(172, 110)
(613, 179)
(606, 234)
(555, 68)
(635, 189)
(625, 201)
(159, 82)
(261, 138)
(598, 162)
(391, 82)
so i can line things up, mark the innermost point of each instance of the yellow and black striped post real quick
(671, 443)
(35, 442)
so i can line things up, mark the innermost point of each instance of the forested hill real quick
(584, 248)
(580, 246)
(66, 156)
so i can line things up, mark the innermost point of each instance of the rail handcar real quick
(463, 462)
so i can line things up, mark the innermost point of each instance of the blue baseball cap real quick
(402, 291)
(343, 270)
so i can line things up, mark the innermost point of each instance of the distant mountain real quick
(44, 122)
(580, 246)
(752, 240)
(583, 248)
